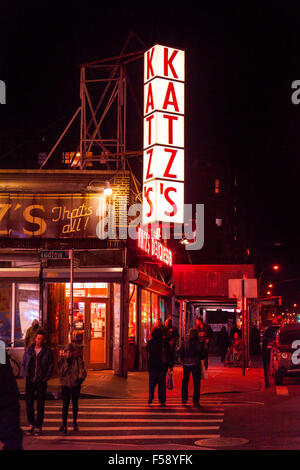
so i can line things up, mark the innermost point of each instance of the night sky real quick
(242, 58)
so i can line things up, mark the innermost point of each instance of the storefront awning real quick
(207, 281)
(139, 277)
(30, 275)
(20, 274)
(113, 274)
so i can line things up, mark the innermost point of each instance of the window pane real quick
(5, 312)
(27, 310)
(162, 308)
(132, 313)
(117, 326)
(145, 316)
(155, 310)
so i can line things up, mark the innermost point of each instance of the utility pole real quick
(244, 329)
(71, 256)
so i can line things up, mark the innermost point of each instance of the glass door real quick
(97, 333)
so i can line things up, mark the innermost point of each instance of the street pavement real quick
(114, 414)
(119, 417)
(131, 422)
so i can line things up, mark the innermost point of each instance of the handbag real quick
(204, 374)
(170, 380)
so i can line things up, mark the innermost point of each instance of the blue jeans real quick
(196, 373)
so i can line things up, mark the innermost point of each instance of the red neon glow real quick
(153, 247)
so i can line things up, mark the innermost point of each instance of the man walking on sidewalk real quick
(37, 368)
(191, 353)
(205, 334)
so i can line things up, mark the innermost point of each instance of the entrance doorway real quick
(90, 329)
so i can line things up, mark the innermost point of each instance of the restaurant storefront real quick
(115, 301)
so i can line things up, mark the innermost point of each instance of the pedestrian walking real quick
(31, 333)
(10, 431)
(205, 335)
(192, 351)
(223, 342)
(72, 373)
(160, 359)
(172, 335)
(37, 367)
(163, 329)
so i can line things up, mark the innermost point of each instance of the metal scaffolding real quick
(103, 110)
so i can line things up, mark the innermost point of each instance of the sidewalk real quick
(104, 384)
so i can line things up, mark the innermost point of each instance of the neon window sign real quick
(153, 247)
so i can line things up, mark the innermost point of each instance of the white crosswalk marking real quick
(134, 421)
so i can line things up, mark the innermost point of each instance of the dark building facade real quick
(225, 219)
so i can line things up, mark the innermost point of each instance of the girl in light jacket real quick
(72, 373)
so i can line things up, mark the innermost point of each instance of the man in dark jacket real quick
(37, 368)
(160, 358)
(10, 431)
(172, 334)
(205, 333)
(191, 353)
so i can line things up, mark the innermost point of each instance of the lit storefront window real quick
(5, 312)
(145, 315)
(155, 313)
(162, 308)
(88, 289)
(27, 310)
(132, 313)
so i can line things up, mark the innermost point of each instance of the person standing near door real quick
(37, 367)
(72, 373)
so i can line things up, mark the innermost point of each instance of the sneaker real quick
(75, 427)
(162, 403)
(150, 401)
(63, 429)
(38, 432)
(30, 431)
(184, 402)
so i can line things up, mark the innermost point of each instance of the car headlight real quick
(284, 355)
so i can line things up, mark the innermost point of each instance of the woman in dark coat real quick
(191, 353)
(160, 358)
(72, 372)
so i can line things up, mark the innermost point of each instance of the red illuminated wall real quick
(207, 280)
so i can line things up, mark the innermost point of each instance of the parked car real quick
(281, 364)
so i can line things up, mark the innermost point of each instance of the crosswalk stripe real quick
(142, 420)
(137, 437)
(195, 413)
(134, 428)
(139, 402)
(142, 407)
(142, 400)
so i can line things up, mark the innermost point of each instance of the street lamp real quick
(275, 267)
